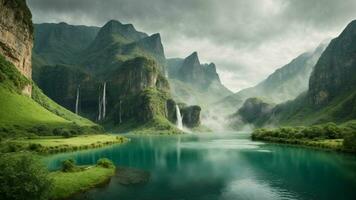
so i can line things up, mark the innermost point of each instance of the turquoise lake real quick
(221, 166)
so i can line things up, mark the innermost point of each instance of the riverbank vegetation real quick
(328, 136)
(74, 179)
(58, 144)
(23, 176)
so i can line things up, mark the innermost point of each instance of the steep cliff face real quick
(335, 71)
(16, 36)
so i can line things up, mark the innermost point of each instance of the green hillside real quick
(23, 115)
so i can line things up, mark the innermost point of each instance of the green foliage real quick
(23, 177)
(303, 135)
(10, 77)
(106, 163)
(67, 184)
(349, 142)
(69, 166)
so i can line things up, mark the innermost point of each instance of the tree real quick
(22, 176)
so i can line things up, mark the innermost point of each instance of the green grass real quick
(22, 115)
(67, 184)
(59, 144)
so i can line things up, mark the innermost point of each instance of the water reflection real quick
(225, 166)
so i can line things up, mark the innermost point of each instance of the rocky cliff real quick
(335, 72)
(16, 36)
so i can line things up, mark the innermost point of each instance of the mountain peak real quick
(113, 22)
(192, 59)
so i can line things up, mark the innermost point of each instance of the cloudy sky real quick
(247, 39)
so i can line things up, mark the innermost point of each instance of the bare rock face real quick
(16, 36)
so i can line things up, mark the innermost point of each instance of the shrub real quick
(106, 163)
(23, 177)
(68, 166)
(35, 147)
(349, 142)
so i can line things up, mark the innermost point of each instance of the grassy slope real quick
(300, 112)
(19, 113)
(55, 144)
(70, 183)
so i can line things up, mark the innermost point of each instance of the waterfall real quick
(77, 101)
(99, 107)
(179, 118)
(104, 101)
(120, 113)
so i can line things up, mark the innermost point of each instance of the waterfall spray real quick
(77, 101)
(179, 118)
(104, 101)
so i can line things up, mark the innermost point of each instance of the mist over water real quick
(224, 165)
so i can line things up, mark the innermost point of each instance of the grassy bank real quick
(67, 184)
(326, 136)
(56, 144)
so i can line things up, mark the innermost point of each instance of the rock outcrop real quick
(16, 36)
(253, 110)
(191, 116)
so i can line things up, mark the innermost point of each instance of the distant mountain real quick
(286, 83)
(331, 96)
(194, 82)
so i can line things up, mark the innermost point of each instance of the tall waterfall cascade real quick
(104, 101)
(102, 104)
(179, 118)
(77, 101)
(99, 107)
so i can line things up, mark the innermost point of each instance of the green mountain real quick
(331, 96)
(117, 43)
(193, 82)
(24, 109)
(129, 64)
(61, 43)
(286, 83)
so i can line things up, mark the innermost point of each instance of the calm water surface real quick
(221, 166)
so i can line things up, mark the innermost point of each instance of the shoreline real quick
(316, 144)
(48, 145)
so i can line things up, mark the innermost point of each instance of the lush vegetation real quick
(74, 179)
(56, 144)
(22, 176)
(330, 136)
(22, 115)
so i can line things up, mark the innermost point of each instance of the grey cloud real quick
(244, 26)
